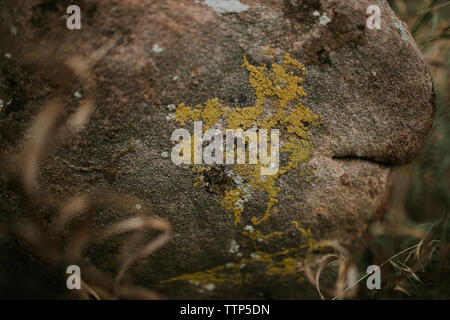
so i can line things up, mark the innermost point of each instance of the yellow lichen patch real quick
(278, 92)
(243, 117)
(210, 113)
(312, 244)
(277, 82)
(185, 113)
(232, 201)
(298, 118)
(256, 235)
(266, 184)
(280, 263)
(286, 267)
(288, 60)
(299, 152)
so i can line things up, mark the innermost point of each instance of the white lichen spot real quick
(171, 107)
(226, 6)
(240, 204)
(374, 73)
(13, 30)
(138, 207)
(165, 154)
(254, 255)
(229, 173)
(210, 287)
(242, 265)
(248, 192)
(229, 265)
(249, 228)
(323, 20)
(77, 95)
(260, 240)
(8, 55)
(156, 48)
(238, 180)
(316, 14)
(234, 247)
(170, 117)
(176, 78)
(399, 25)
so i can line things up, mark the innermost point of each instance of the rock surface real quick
(371, 88)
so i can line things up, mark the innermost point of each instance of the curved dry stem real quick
(139, 224)
(40, 136)
(42, 133)
(345, 271)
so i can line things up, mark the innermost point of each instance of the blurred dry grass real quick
(55, 232)
(420, 199)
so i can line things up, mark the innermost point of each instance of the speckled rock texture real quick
(372, 89)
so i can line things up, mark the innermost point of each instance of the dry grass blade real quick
(399, 288)
(342, 273)
(390, 260)
(322, 266)
(69, 210)
(404, 269)
(40, 135)
(140, 224)
(82, 67)
(32, 235)
(80, 117)
(45, 129)
(89, 290)
(74, 207)
(137, 224)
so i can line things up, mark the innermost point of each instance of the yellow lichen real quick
(280, 263)
(256, 234)
(285, 267)
(312, 244)
(231, 202)
(277, 86)
(277, 90)
(288, 60)
(210, 113)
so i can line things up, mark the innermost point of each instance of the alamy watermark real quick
(74, 20)
(374, 280)
(254, 142)
(74, 280)
(374, 21)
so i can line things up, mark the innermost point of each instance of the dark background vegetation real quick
(420, 198)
